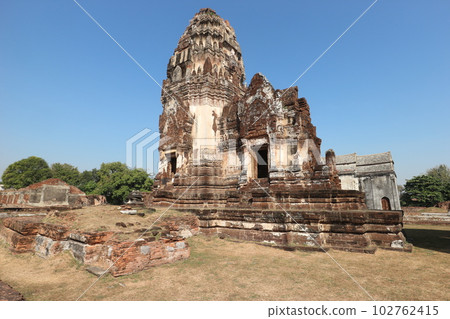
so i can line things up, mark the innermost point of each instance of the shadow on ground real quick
(9, 294)
(434, 239)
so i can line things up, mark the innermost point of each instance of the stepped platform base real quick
(259, 196)
(350, 230)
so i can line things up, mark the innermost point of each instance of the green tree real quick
(88, 181)
(441, 172)
(26, 172)
(66, 172)
(423, 190)
(116, 181)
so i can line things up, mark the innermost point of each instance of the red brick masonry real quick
(99, 248)
(357, 230)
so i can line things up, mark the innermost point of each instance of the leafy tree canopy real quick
(88, 181)
(116, 181)
(26, 172)
(423, 190)
(441, 172)
(66, 172)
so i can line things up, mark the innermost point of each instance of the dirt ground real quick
(105, 217)
(225, 270)
(109, 218)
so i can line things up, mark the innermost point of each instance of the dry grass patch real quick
(224, 270)
(108, 218)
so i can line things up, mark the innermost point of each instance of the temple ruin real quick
(224, 141)
(247, 160)
(50, 193)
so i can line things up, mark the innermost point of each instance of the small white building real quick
(372, 174)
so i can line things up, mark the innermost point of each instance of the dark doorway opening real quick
(385, 203)
(173, 162)
(263, 167)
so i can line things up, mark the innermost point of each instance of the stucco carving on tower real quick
(222, 142)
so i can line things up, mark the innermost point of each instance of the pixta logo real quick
(142, 151)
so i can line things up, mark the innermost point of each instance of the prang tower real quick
(227, 144)
(205, 73)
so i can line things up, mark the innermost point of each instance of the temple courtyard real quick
(227, 269)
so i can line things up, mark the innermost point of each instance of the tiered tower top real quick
(208, 46)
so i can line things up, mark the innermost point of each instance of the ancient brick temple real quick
(225, 144)
(241, 156)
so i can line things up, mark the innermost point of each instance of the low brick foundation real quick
(51, 193)
(100, 248)
(416, 215)
(361, 231)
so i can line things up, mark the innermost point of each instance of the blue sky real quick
(70, 95)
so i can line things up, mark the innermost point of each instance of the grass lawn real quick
(224, 270)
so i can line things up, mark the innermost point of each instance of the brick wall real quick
(49, 193)
(362, 230)
(101, 249)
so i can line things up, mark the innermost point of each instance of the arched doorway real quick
(172, 159)
(262, 162)
(385, 203)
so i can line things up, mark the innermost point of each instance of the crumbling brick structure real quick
(357, 231)
(252, 153)
(101, 249)
(52, 192)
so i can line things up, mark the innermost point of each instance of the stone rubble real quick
(99, 249)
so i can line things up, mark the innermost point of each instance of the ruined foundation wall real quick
(99, 249)
(49, 193)
(362, 231)
(419, 215)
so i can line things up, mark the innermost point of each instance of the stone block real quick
(55, 232)
(145, 250)
(92, 238)
(46, 247)
(96, 271)
(77, 249)
(18, 243)
(55, 194)
(23, 226)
